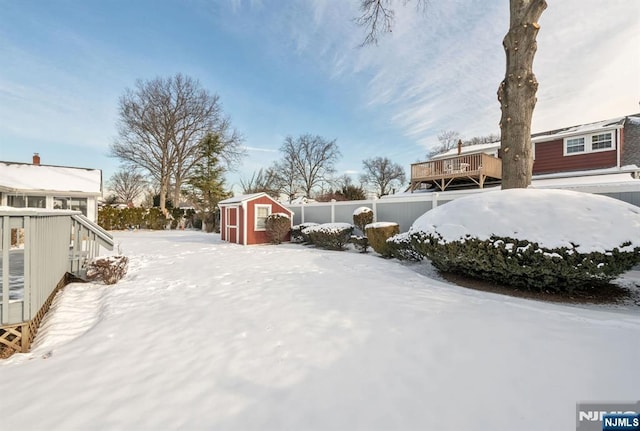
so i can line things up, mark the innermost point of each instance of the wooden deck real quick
(466, 169)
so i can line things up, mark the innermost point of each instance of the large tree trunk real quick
(517, 93)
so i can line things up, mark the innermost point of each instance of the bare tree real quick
(383, 174)
(127, 185)
(264, 180)
(447, 139)
(160, 125)
(287, 178)
(311, 159)
(486, 139)
(516, 93)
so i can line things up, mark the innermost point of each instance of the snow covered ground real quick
(207, 335)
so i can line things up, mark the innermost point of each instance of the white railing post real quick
(6, 245)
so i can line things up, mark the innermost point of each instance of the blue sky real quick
(292, 67)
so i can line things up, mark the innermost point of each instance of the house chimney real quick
(459, 146)
(36, 159)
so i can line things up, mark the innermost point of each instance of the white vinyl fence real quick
(404, 210)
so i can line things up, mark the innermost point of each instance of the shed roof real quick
(241, 198)
(25, 178)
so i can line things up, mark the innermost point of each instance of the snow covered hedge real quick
(297, 234)
(332, 236)
(536, 239)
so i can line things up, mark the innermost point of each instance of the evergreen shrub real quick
(297, 234)
(378, 233)
(400, 247)
(525, 264)
(331, 236)
(361, 217)
(278, 226)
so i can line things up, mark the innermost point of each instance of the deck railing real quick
(471, 165)
(38, 248)
(475, 167)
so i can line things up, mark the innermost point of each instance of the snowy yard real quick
(206, 335)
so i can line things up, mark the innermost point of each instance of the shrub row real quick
(112, 218)
(518, 263)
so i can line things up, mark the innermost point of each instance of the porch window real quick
(262, 212)
(21, 201)
(76, 204)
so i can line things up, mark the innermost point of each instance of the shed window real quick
(262, 212)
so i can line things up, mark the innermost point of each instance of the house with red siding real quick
(242, 218)
(603, 145)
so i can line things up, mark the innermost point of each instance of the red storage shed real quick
(242, 218)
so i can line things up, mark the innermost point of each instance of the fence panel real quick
(403, 211)
(317, 213)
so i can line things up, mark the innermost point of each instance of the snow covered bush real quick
(362, 216)
(361, 243)
(378, 233)
(108, 269)
(298, 236)
(332, 236)
(535, 239)
(400, 247)
(278, 226)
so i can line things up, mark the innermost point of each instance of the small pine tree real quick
(206, 187)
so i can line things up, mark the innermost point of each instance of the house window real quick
(76, 204)
(22, 201)
(262, 212)
(575, 145)
(589, 143)
(601, 141)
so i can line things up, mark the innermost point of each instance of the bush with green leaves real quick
(525, 264)
(360, 242)
(547, 240)
(332, 236)
(399, 247)
(378, 233)
(278, 226)
(112, 218)
(362, 216)
(297, 234)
